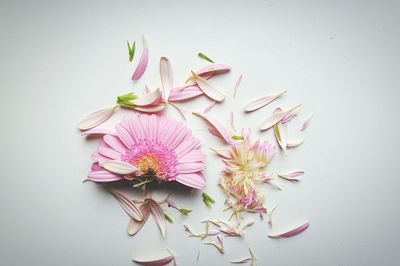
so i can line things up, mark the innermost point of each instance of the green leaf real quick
(185, 211)
(168, 218)
(203, 56)
(127, 100)
(207, 199)
(131, 50)
(237, 137)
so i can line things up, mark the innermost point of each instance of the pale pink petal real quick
(294, 143)
(190, 167)
(119, 167)
(129, 207)
(185, 94)
(219, 244)
(193, 180)
(192, 156)
(209, 71)
(134, 226)
(186, 146)
(292, 232)
(94, 119)
(208, 88)
(109, 153)
(141, 67)
(306, 122)
(155, 262)
(180, 134)
(147, 99)
(209, 107)
(292, 114)
(167, 77)
(263, 101)
(99, 131)
(152, 127)
(134, 127)
(124, 135)
(223, 133)
(226, 153)
(237, 84)
(158, 216)
(240, 261)
(232, 121)
(151, 109)
(275, 118)
(115, 143)
(103, 176)
(292, 176)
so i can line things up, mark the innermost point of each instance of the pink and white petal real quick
(185, 94)
(263, 101)
(185, 168)
(223, 133)
(292, 232)
(129, 207)
(135, 128)
(144, 59)
(275, 118)
(208, 88)
(225, 153)
(194, 180)
(152, 109)
(148, 98)
(186, 146)
(96, 167)
(158, 216)
(155, 262)
(124, 135)
(109, 153)
(152, 127)
(167, 77)
(193, 156)
(119, 167)
(94, 119)
(115, 143)
(134, 226)
(103, 176)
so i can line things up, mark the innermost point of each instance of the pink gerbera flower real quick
(149, 147)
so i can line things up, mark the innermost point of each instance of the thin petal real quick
(263, 101)
(144, 58)
(130, 208)
(155, 262)
(193, 180)
(209, 107)
(124, 135)
(94, 119)
(223, 133)
(280, 132)
(291, 176)
(103, 176)
(119, 167)
(208, 88)
(167, 77)
(237, 84)
(306, 122)
(275, 118)
(209, 71)
(134, 226)
(99, 131)
(294, 143)
(292, 232)
(147, 99)
(158, 215)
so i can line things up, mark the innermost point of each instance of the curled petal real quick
(222, 132)
(275, 118)
(130, 208)
(94, 119)
(147, 99)
(155, 262)
(208, 88)
(119, 167)
(144, 59)
(237, 84)
(167, 79)
(263, 101)
(219, 244)
(209, 71)
(280, 132)
(292, 232)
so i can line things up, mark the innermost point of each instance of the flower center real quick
(153, 159)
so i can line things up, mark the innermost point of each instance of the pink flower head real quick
(158, 146)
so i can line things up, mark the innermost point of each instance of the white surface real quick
(63, 59)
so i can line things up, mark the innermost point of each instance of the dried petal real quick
(208, 88)
(275, 118)
(237, 84)
(130, 208)
(306, 122)
(263, 101)
(292, 176)
(251, 259)
(158, 215)
(155, 262)
(167, 77)
(94, 119)
(144, 58)
(222, 132)
(292, 232)
(119, 167)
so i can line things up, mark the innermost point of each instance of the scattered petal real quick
(280, 132)
(232, 122)
(155, 262)
(292, 232)
(275, 118)
(219, 244)
(261, 102)
(167, 77)
(185, 93)
(294, 143)
(158, 215)
(222, 132)
(99, 131)
(291, 115)
(270, 213)
(250, 259)
(130, 208)
(203, 56)
(119, 167)
(94, 119)
(134, 226)
(208, 108)
(306, 122)
(208, 88)
(222, 152)
(141, 67)
(147, 99)
(237, 84)
(292, 176)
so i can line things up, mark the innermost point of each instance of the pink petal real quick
(275, 118)
(192, 156)
(109, 153)
(151, 109)
(292, 176)
(99, 131)
(307, 122)
(185, 94)
(115, 143)
(261, 102)
(151, 98)
(226, 153)
(141, 67)
(96, 167)
(155, 262)
(124, 135)
(130, 208)
(208, 108)
(193, 180)
(223, 133)
(134, 128)
(209, 71)
(293, 232)
(185, 168)
(208, 88)
(158, 216)
(94, 119)
(167, 77)
(134, 226)
(237, 84)
(103, 176)
(186, 146)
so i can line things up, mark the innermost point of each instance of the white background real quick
(60, 60)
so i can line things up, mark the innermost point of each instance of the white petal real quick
(119, 167)
(263, 101)
(275, 118)
(167, 78)
(94, 119)
(208, 88)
